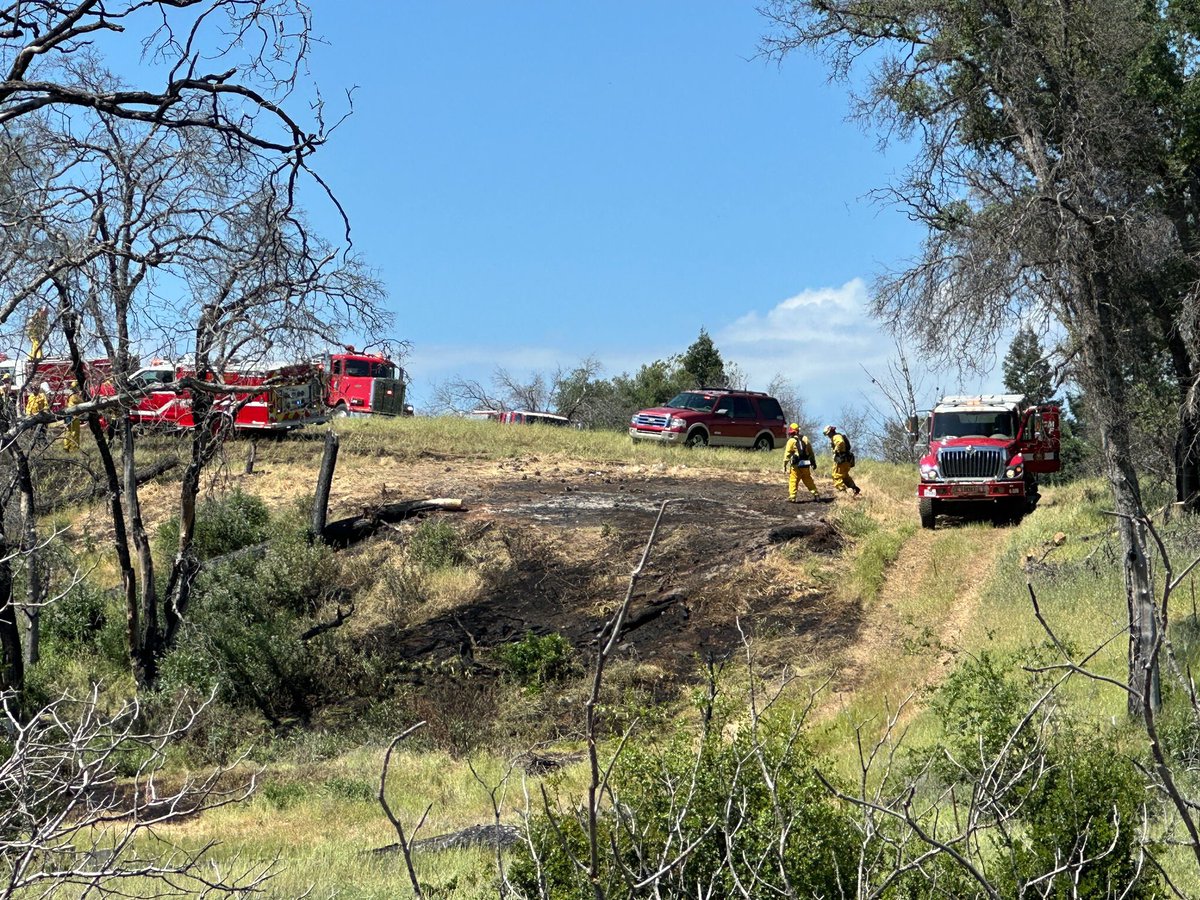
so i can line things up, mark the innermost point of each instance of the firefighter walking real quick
(843, 460)
(799, 459)
(74, 423)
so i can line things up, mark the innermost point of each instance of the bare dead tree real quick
(405, 838)
(898, 394)
(225, 66)
(70, 820)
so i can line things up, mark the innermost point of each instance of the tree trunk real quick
(35, 591)
(144, 641)
(12, 661)
(1101, 351)
(133, 640)
(320, 510)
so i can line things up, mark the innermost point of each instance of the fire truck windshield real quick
(996, 423)
(366, 368)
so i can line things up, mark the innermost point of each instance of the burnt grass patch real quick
(568, 548)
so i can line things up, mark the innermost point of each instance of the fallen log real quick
(345, 532)
(504, 836)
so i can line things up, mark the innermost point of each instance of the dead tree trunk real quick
(320, 509)
(35, 592)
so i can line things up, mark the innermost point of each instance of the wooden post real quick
(250, 455)
(324, 483)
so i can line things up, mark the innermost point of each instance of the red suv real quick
(718, 418)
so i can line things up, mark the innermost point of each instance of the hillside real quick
(848, 599)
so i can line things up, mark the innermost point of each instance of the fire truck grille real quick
(971, 462)
(656, 421)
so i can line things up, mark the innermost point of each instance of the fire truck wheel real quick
(340, 411)
(698, 438)
(925, 506)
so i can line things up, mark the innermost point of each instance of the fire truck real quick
(985, 453)
(56, 372)
(277, 399)
(362, 384)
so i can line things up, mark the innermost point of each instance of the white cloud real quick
(819, 339)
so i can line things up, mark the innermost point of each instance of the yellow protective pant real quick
(71, 436)
(841, 478)
(797, 474)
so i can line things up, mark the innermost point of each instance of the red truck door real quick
(1040, 440)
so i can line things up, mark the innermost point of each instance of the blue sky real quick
(537, 182)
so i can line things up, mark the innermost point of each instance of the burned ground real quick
(573, 539)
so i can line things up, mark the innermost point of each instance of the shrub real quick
(667, 799)
(533, 661)
(243, 634)
(1086, 811)
(436, 545)
(223, 525)
(76, 619)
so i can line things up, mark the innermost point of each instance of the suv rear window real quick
(769, 408)
(690, 400)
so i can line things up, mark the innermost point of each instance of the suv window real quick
(769, 408)
(741, 408)
(690, 400)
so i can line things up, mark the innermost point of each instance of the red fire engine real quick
(985, 453)
(363, 384)
(277, 399)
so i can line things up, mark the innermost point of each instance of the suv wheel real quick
(764, 442)
(698, 438)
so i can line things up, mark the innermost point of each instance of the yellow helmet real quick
(793, 429)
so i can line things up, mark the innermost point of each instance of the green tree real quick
(1043, 181)
(703, 364)
(1026, 369)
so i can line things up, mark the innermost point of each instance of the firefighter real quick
(74, 423)
(798, 461)
(843, 460)
(38, 402)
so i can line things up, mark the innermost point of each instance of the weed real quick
(436, 545)
(533, 661)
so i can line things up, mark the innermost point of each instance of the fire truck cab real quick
(985, 453)
(363, 384)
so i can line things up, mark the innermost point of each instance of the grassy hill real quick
(483, 624)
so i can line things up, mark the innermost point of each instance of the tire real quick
(764, 443)
(698, 438)
(928, 511)
(341, 412)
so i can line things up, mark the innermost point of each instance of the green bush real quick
(1085, 811)
(228, 523)
(665, 799)
(283, 795)
(535, 660)
(76, 619)
(436, 545)
(244, 628)
(352, 789)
